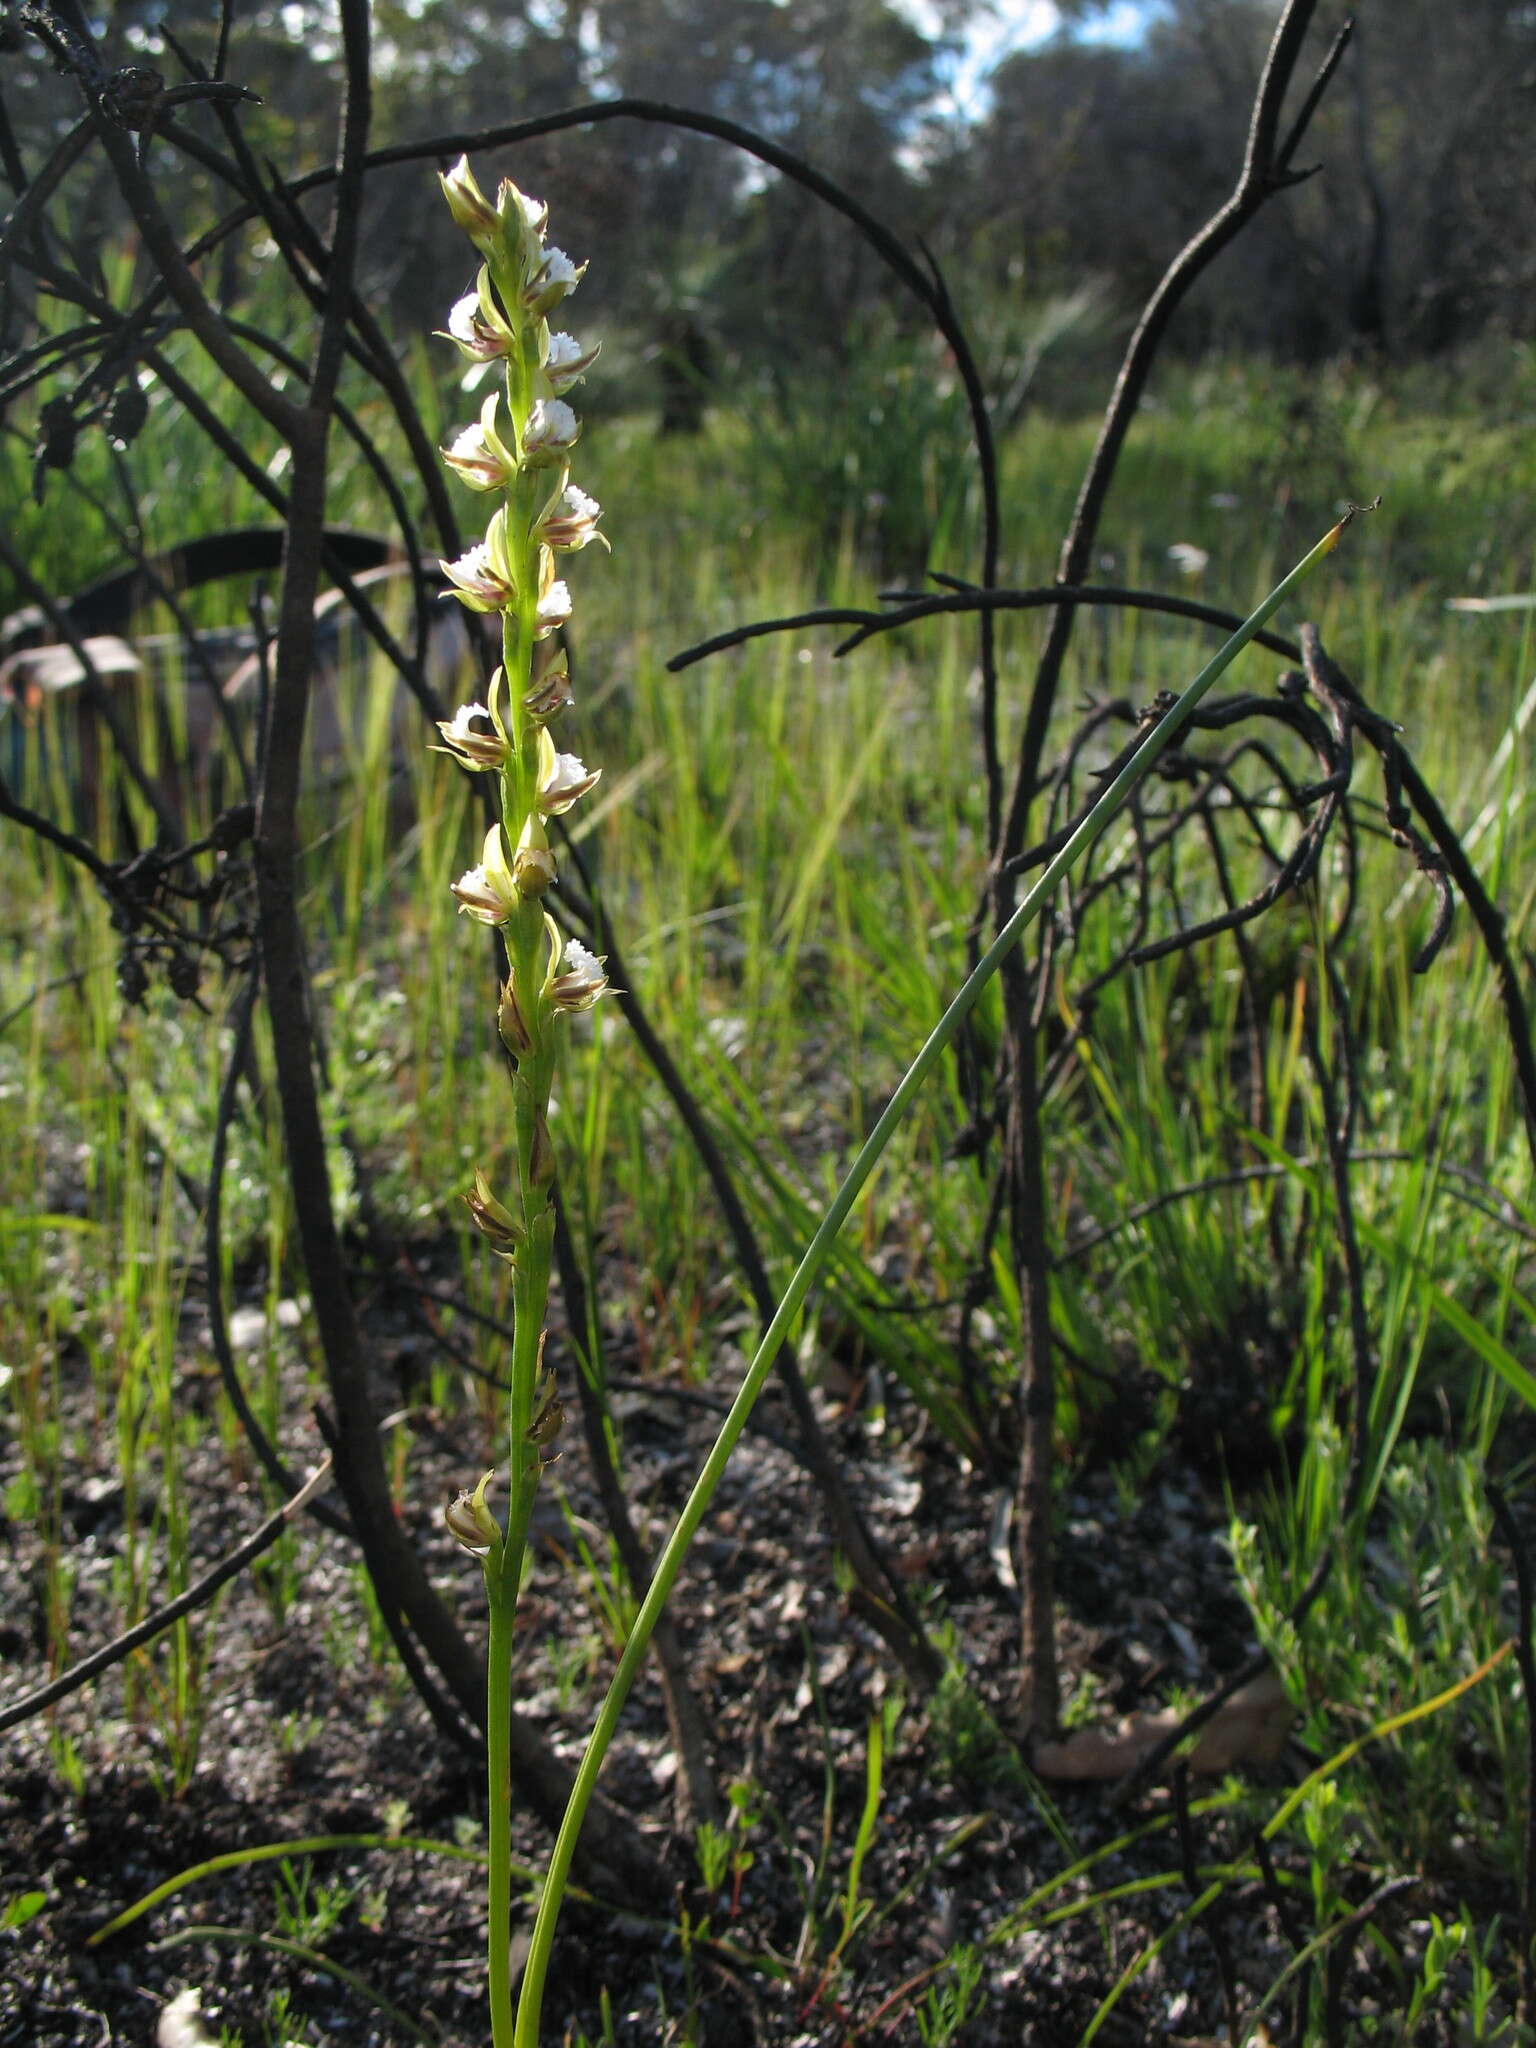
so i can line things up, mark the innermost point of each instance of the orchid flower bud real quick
(471, 1522)
(512, 1025)
(548, 1409)
(541, 1162)
(493, 1219)
(470, 207)
(533, 865)
(530, 214)
(551, 690)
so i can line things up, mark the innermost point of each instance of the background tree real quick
(1091, 160)
(1100, 157)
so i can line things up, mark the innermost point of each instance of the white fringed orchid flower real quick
(567, 361)
(479, 456)
(562, 778)
(552, 429)
(578, 980)
(488, 892)
(478, 325)
(483, 578)
(569, 520)
(469, 743)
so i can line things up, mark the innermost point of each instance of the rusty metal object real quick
(173, 676)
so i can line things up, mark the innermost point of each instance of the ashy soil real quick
(300, 1724)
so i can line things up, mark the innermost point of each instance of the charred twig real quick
(394, 1564)
(213, 1256)
(102, 872)
(1296, 869)
(1337, 1131)
(1290, 1924)
(1253, 1022)
(25, 217)
(1341, 1939)
(1349, 715)
(197, 1595)
(1043, 597)
(1241, 1176)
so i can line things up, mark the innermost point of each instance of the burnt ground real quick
(306, 1729)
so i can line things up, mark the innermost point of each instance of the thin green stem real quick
(785, 1321)
(501, 1584)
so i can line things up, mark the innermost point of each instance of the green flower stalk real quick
(519, 449)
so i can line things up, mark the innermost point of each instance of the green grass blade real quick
(273, 1852)
(311, 1959)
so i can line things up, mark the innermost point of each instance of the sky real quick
(1011, 25)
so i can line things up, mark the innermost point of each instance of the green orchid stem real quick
(504, 1573)
(525, 942)
(783, 1327)
(498, 1742)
